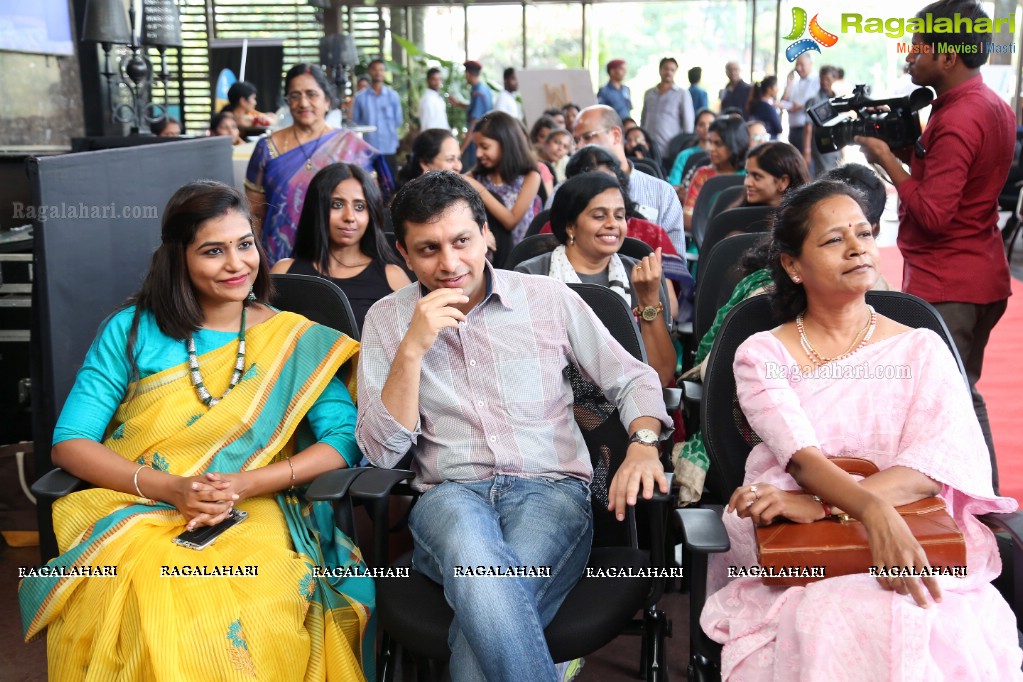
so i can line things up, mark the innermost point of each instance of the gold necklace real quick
(308, 157)
(819, 359)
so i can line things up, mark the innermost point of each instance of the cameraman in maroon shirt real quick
(948, 213)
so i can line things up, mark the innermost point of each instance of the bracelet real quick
(827, 509)
(135, 479)
(292, 475)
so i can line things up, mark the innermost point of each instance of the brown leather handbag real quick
(800, 553)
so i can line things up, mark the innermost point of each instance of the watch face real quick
(650, 313)
(646, 436)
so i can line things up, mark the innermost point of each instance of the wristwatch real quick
(648, 313)
(646, 437)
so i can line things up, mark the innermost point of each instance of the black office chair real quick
(728, 448)
(725, 199)
(721, 272)
(705, 201)
(537, 223)
(648, 166)
(414, 614)
(531, 247)
(676, 145)
(749, 219)
(316, 298)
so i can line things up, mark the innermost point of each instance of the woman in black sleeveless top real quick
(340, 237)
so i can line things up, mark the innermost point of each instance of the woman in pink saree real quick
(837, 379)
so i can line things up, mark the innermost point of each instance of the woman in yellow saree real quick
(198, 399)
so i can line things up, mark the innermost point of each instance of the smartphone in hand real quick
(200, 538)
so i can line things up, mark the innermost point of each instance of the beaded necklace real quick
(193, 368)
(819, 359)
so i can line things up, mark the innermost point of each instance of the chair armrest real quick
(702, 530)
(333, 485)
(1011, 523)
(374, 488)
(692, 392)
(57, 483)
(377, 484)
(672, 398)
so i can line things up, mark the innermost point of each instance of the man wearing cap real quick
(616, 93)
(480, 102)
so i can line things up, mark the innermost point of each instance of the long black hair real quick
(516, 156)
(425, 148)
(167, 292)
(312, 235)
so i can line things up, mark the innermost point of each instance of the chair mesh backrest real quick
(741, 219)
(316, 298)
(695, 160)
(530, 247)
(722, 424)
(705, 201)
(648, 166)
(538, 221)
(721, 270)
(606, 438)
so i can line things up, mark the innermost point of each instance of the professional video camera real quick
(898, 125)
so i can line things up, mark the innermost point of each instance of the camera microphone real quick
(920, 98)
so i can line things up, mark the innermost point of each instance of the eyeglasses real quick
(311, 95)
(586, 138)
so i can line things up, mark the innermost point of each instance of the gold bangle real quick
(135, 479)
(292, 475)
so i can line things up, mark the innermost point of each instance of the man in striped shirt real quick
(465, 368)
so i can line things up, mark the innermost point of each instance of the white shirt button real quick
(472, 363)
(493, 439)
(479, 403)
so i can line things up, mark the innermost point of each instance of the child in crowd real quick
(507, 178)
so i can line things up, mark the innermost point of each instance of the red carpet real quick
(1000, 382)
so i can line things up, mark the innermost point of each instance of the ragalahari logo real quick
(817, 35)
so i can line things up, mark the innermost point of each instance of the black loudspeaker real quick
(338, 50)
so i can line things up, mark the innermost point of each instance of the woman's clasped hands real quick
(206, 500)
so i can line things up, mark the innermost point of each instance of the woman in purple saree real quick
(285, 162)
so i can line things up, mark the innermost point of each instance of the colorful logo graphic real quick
(817, 35)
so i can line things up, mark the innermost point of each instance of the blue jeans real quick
(497, 632)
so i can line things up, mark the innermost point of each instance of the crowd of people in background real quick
(370, 212)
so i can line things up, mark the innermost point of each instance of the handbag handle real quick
(855, 465)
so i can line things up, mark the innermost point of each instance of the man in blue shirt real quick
(480, 102)
(616, 93)
(698, 94)
(379, 106)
